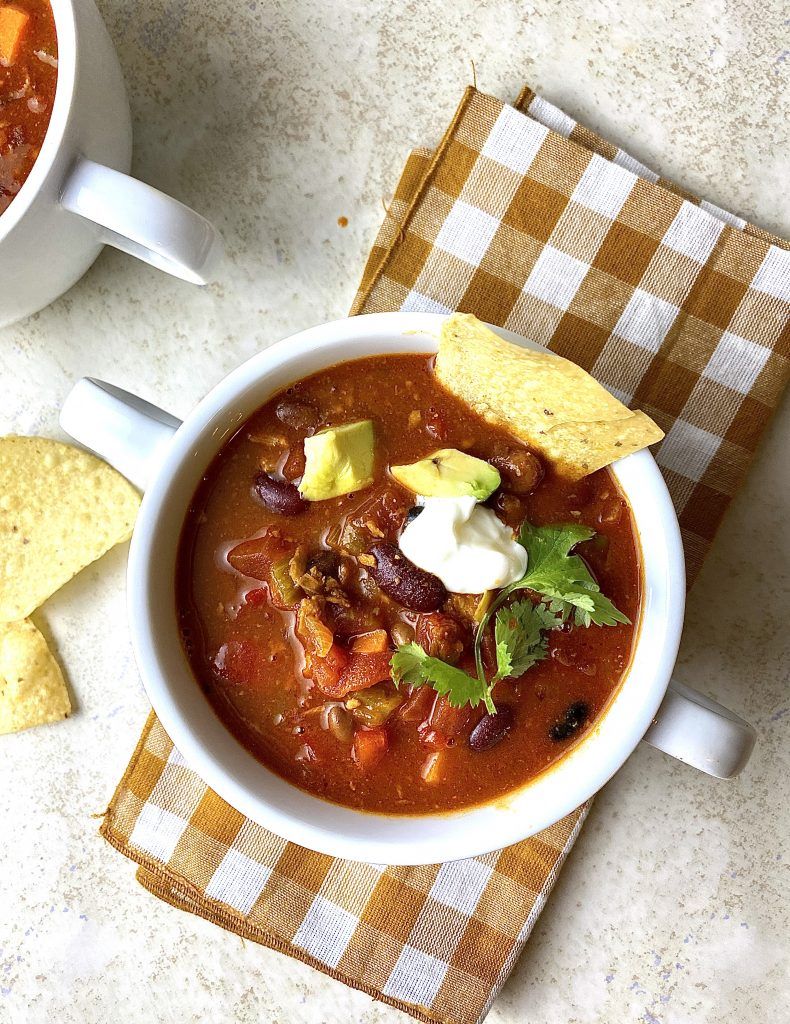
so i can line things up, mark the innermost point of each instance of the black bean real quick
(492, 729)
(411, 515)
(298, 415)
(560, 731)
(575, 717)
(404, 581)
(278, 496)
(577, 714)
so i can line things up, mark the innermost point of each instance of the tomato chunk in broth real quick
(290, 638)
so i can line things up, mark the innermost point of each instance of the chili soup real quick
(362, 676)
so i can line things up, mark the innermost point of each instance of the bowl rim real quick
(225, 765)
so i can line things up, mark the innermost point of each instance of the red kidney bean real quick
(404, 581)
(278, 496)
(299, 415)
(492, 729)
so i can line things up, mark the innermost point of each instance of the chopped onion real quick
(46, 58)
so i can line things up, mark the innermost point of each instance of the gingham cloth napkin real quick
(531, 221)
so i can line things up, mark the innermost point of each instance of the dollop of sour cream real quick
(464, 544)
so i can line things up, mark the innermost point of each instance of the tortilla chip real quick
(32, 690)
(548, 402)
(60, 509)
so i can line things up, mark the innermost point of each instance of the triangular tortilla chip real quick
(32, 690)
(60, 509)
(548, 402)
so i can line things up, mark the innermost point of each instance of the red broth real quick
(28, 77)
(246, 653)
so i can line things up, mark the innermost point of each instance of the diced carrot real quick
(370, 746)
(13, 23)
(375, 642)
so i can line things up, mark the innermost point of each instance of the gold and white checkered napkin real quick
(530, 221)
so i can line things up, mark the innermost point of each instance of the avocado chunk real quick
(338, 460)
(449, 473)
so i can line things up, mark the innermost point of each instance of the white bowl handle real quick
(144, 222)
(700, 732)
(128, 432)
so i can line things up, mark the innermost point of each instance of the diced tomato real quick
(359, 672)
(255, 557)
(240, 662)
(326, 672)
(431, 738)
(417, 705)
(370, 746)
(364, 670)
(257, 596)
(443, 724)
(375, 642)
(379, 516)
(447, 719)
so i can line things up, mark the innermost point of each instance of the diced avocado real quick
(449, 473)
(338, 460)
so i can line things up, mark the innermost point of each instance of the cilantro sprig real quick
(411, 664)
(560, 578)
(563, 587)
(520, 637)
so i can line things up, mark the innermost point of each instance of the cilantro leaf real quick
(410, 664)
(562, 579)
(519, 635)
(565, 588)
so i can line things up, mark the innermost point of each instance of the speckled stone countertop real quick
(275, 119)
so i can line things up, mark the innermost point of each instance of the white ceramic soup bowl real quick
(78, 195)
(168, 459)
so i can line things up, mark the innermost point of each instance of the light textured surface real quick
(275, 119)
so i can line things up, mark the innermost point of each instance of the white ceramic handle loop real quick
(144, 222)
(128, 432)
(700, 732)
